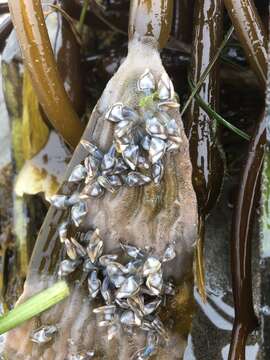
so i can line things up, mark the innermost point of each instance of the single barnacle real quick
(123, 128)
(129, 318)
(62, 231)
(136, 304)
(167, 105)
(105, 290)
(165, 88)
(78, 212)
(78, 173)
(135, 178)
(151, 266)
(120, 166)
(115, 113)
(146, 142)
(115, 181)
(131, 250)
(157, 149)
(93, 189)
(157, 171)
(130, 287)
(154, 282)
(151, 307)
(104, 181)
(67, 267)
(59, 201)
(88, 266)
(130, 156)
(44, 334)
(95, 246)
(94, 284)
(146, 82)
(92, 149)
(155, 128)
(92, 166)
(71, 250)
(109, 160)
(169, 253)
(80, 250)
(104, 260)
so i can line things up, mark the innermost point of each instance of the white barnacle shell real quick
(94, 190)
(135, 178)
(59, 201)
(44, 334)
(146, 142)
(92, 165)
(115, 181)
(78, 173)
(105, 183)
(67, 267)
(123, 128)
(104, 260)
(115, 113)
(92, 149)
(78, 212)
(154, 283)
(169, 253)
(80, 250)
(88, 266)
(62, 231)
(151, 266)
(109, 159)
(146, 82)
(151, 307)
(94, 284)
(130, 156)
(105, 310)
(95, 246)
(105, 290)
(131, 250)
(129, 318)
(71, 250)
(130, 287)
(165, 88)
(155, 128)
(157, 171)
(157, 149)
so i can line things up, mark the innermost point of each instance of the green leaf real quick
(34, 306)
(207, 70)
(212, 113)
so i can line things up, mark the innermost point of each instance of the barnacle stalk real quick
(204, 150)
(251, 34)
(151, 18)
(31, 30)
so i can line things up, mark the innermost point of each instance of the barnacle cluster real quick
(131, 282)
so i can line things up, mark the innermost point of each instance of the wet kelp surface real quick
(234, 88)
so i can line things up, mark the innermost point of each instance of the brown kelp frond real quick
(251, 34)
(38, 55)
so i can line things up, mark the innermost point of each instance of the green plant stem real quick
(83, 14)
(211, 112)
(34, 306)
(207, 70)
